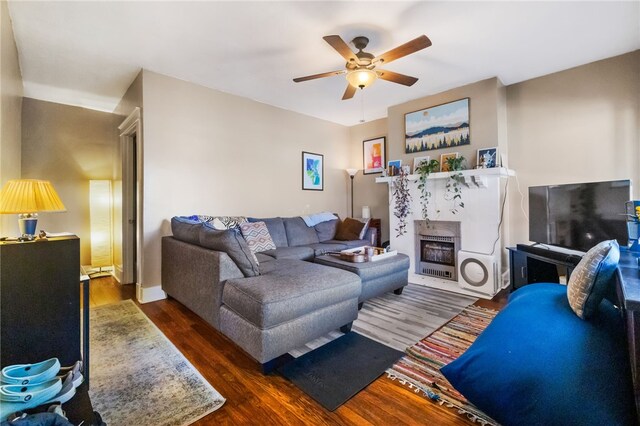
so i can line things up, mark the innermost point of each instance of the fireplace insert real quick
(437, 245)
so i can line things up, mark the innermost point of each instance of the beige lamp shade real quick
(352, 172)
(29, 196)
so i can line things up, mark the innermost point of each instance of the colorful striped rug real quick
(419, 369)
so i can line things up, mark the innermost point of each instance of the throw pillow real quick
(349, 229)
(592, 278)
(231, 242)
(257, 236)
(227, 222)
(537, 363)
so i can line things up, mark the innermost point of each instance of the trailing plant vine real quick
(424, 169)
(402, 199)
(454, 192)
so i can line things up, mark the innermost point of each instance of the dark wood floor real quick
(253, 398)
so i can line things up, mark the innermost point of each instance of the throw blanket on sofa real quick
(316, 218)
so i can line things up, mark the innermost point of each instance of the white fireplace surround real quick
(483, 192)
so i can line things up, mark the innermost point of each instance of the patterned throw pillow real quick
(590, 280)
(226, 222)
(257, 236)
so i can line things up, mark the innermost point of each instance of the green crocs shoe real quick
(24, 374)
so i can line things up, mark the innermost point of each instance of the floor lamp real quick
(101, 228)
(352, 174)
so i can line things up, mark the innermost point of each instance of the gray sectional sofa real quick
(271, 303)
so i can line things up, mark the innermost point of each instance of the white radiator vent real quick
(436, 273)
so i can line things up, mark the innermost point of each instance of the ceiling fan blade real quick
(321, 75)
(348, 94)
(408, 48)
(341, 47)
(396, 78)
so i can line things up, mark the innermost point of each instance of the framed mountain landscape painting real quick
(312, 171)
(440, 126)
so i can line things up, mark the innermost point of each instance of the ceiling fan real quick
(361, 67)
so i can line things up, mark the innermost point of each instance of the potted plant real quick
(454, 192)
(424, 169)
(402, 199)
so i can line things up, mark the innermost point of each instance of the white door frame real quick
(130, 132)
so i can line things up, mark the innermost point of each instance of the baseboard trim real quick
(149, 294)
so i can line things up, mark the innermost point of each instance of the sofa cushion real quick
(592, 278)
(299, 253)
(263, 258)
(298, 233)
(288, 289)
(186, 228)
(275, 225)
(350, 243)
(257, 236)
(537, 363)
(324, 248)
(231, 242)
(350, 229)
(327, 230)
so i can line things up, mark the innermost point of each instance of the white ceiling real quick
(87, 53)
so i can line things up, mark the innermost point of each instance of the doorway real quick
(130, 132)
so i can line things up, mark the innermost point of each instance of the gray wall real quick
(575, 125)
(69, 146)
(10, 113)
(209, 152)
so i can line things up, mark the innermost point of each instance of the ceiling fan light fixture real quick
(361, 77)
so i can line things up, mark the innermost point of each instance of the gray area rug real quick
(138, 377)
(400, 321)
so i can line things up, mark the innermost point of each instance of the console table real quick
(529, 265)
(628, 289)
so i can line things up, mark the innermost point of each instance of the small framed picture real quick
(444, 166)
(394, 167)
(487, 158)
(418, 160)
(312, 171)
(373, 158)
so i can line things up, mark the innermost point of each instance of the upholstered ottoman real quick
(377, 277)
(289, 304)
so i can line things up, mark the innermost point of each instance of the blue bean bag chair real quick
(538, 363)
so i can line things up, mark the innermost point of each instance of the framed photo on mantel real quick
(373, 155)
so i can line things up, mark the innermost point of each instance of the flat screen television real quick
(579, 215)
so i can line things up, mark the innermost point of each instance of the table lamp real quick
(26, 198)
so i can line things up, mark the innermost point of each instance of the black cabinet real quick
(40, 301)
(530, 265)
(40, 310)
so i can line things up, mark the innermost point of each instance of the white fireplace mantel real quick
(467, 174)
(483, 193)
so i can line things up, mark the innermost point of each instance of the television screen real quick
(579, 216)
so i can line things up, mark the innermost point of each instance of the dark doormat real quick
(335, 372)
